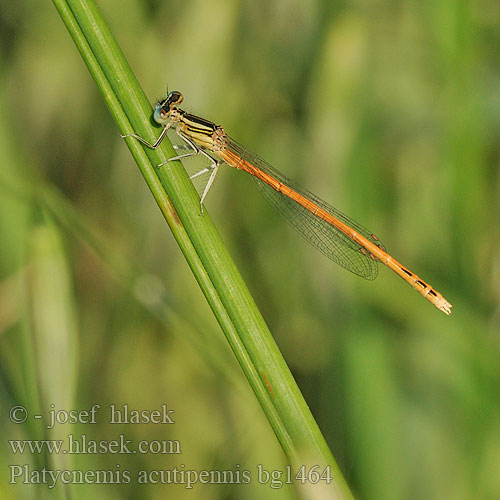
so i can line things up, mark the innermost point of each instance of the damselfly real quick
(336, 235)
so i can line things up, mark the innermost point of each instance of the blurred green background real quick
(390, 110)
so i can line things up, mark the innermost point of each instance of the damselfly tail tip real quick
(445, 306)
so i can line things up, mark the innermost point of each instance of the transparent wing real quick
(326, 238)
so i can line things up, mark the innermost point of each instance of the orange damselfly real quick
(336, 235)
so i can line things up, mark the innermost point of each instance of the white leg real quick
(149, 145)
(209, 184)
(204, 171)
(214, 166)
(195, 150)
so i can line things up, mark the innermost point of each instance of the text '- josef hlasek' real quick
(115, 415)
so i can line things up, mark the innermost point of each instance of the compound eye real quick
(175, 97)
(160, 116)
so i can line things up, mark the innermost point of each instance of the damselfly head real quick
(165, 106)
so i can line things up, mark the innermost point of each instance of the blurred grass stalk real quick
(54, 330)
(221, 283)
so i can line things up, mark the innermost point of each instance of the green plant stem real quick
(220, 281)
